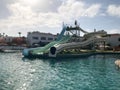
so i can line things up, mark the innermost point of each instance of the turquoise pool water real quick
(90, 73)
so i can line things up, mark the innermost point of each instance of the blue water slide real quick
(62, 33)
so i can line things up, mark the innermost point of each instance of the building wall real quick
(113, 40)
(39, 38)
(8, 39)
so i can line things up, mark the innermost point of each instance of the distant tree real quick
(19, 40)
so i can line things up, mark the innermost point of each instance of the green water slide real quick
(45, 49)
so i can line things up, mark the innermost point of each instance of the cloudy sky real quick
(48, 15)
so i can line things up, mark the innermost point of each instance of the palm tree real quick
(19, 34)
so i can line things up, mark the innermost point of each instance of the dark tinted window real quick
(43, 38)
(35, 38)
(50, 38)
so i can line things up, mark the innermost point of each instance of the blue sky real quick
(48, 15)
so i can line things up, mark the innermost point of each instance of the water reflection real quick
(91, 73)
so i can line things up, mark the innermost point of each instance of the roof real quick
(114, 34)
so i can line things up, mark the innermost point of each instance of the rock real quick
(117, 63)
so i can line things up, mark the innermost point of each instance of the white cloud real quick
(113, 10)
(114, 31)
(92, 11)
(76, 9)
(23, 16)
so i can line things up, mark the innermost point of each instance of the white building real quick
(39, 39)
(113, 40)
